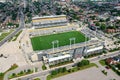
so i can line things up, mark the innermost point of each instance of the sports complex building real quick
(55, 40)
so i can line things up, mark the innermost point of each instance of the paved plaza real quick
(11, 55)
(88, 74)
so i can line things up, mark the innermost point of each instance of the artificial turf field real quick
(45, 42)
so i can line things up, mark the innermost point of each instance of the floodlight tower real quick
(72, 39)
(53, 44)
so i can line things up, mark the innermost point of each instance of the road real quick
(43, 73)
(105, 56)
(21, 26)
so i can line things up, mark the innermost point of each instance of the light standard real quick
(72, 39)
(53, 44)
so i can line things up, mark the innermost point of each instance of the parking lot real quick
(88, 74)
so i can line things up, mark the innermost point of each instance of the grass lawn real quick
(75, 69)
(45, 42)
(102, 62)
(16, 36)
(4, 34)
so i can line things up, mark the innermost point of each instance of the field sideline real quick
(45, 42)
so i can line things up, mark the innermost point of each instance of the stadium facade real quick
(58, 24)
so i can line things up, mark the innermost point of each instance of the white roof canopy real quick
(59, 57)
(95, 49)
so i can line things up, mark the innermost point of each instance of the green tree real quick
(54, 72)
(85, 62)
(1, 74)
(69, 70)
(59, 70)
(13, 74)
(21, 72)
(44, 67)
(28, 71)
(101, 20)
(79, 64)
(97, 24)
(64, 69)
(118, 66)
(103, 27)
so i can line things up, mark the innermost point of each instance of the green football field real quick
(45, 42)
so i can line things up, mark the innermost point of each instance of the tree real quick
(59, 70)
(81, 11)
(64, 69)
(44, 67)
(69, 70)
(85, 62)
(118, 66)
(24, 70)
(1, 74)
(101, 20)
(79, 64)
(21, 72)
(103, 27)
(28, 71)
(97, 24)
(92, 17)
(54, 72)
(13, 74)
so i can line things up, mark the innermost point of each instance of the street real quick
(21, 26)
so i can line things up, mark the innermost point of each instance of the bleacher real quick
(48, 31)
(49, 21)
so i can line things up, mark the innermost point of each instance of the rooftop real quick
(52, 16)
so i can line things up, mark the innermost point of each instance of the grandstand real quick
(49, 21)
(57, 29)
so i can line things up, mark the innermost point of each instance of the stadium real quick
(55, 40)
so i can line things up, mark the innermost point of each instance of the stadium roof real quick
(95, 49)
(52, 16)
(59, 58)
